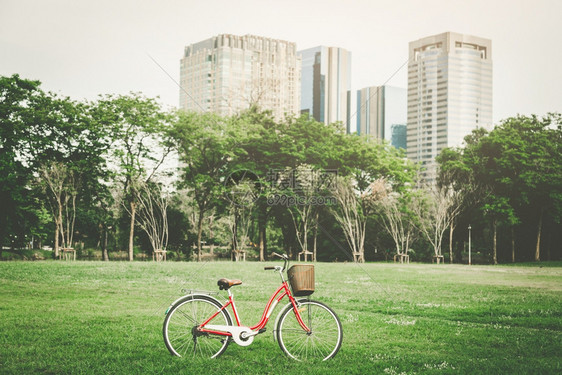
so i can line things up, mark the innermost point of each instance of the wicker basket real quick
(301, 278)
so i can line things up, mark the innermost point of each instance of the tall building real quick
(229, 73)
(326, 84)
(382, 113)
(449, 93)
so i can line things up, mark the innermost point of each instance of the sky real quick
(83, 49)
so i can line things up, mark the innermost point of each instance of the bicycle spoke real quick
(180, 333)
(323, 340)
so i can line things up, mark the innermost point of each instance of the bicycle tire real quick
(323, 342)
(180, 323)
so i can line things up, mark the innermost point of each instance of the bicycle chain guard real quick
(237, 333)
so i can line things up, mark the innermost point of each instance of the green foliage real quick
(512, 175)
(18, 101)
(109, 146)
(136, 125)
(137, 129)
(517, 169)
(213, 147)
(39, 128)
(207, 143)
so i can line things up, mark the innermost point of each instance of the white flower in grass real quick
(401, 322)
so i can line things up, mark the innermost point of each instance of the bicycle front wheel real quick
(322, 342)
(180, 327)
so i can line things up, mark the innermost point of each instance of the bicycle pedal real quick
(262, 330)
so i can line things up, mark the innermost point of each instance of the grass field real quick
(106, 318)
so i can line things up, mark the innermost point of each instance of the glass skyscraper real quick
(449, 94)
(326, 84)
(228, 73)
(382, 113)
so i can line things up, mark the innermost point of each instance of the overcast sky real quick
(85, 48)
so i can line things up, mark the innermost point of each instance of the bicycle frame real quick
(281, 292)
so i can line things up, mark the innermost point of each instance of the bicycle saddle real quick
(225, 284)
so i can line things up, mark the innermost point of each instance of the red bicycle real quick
(198, 324)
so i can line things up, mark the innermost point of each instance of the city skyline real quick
(82, 49)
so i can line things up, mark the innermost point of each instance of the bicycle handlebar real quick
(282, 256)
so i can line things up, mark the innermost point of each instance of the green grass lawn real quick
(106, 318)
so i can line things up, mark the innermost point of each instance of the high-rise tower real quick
(449, 94)
(326, 84)
(228, 73)
(382, 114)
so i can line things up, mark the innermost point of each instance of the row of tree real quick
(511, 179)
(73, 164)
(120, 172)
(104, 172)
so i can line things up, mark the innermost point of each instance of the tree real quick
(138, 126)
(303, 197)
(497, 208)
(528, 161)
(437, 207)
(60, 186)
(454, 173)
(207, 145)
(517, 166)
(269, 148)
(37, 128)
(242, 189)
(18, 107)
(353, 211)
(105, 214)
(398, 219)
(371, 168)
(41, 130)
(351, 218)
(153, 201)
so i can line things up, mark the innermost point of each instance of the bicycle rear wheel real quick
(180, 327)
(322, 342)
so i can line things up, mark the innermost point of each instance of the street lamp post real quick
(469, 254)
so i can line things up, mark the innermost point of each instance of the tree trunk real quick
(235, 233)
(104, 244)
(132, 229)
(234, 246)
(199, 233)
(262, 239)
(61, 230)
(56, 239)
(315, 236)
(305, 237)
(539, 230)
(495, 226)
(512, 245)
(290, 251)
(451, 230)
